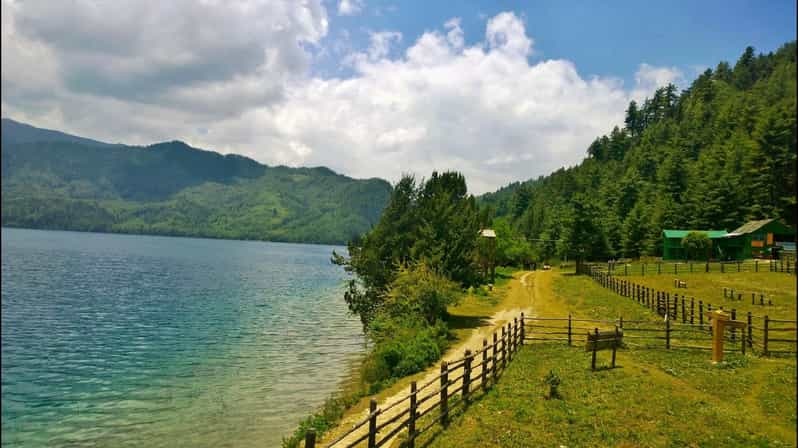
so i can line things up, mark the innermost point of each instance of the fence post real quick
(706, 269)
(734, 330)
(509, 341)
(765, 338)
(466, 373)
(569, 329)
(495, 358)
(756, 265)
(372, 423)
(753, 298)
(411, 422)
(523, 333)
(667, 332)
(515, 334)
(684, 317)
(750, 332)
(310, 438)
(444, 395)
(761, 299)
(692, 309)
(484, 364)
(595, 346)
(504, 348)
(701, 313)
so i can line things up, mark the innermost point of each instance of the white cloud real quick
(350, 7)
(648, 78)
(483, 109)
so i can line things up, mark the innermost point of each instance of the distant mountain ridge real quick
(54, 180)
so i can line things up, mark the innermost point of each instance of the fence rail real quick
(660, 267)
(457, 381)
(681, 311)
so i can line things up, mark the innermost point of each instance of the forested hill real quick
(52, 180)
(713, 156)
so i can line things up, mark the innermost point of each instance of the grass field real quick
(778, 287)
(654, 398)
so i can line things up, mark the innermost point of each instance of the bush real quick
(403, 346)
(418, 290)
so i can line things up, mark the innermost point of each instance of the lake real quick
(129, 340)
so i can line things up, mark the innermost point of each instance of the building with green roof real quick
(672, 243)
(760, 238)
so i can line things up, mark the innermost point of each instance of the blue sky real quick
(500, 91)
(601, 38)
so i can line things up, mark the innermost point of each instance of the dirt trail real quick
(521, 290)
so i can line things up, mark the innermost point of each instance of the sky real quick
(500, 91)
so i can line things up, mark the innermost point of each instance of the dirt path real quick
(521, 291)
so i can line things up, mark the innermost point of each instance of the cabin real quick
(764, 238)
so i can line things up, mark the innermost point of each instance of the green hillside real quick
(173, 189)
(715, 155)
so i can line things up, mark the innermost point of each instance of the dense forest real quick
(52, 180)
(713, 156)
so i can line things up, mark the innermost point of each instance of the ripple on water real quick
(119, 340)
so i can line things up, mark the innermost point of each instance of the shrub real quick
(553, 380)
(419, 290)
(403, 346)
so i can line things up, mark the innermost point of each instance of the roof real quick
(683, 233)
(752, 226)
(487, 233)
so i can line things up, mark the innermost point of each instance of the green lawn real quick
(654, 397)
(778, 287)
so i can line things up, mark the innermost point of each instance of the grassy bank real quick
(654, 398)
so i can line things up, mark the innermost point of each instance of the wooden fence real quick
(618, 269)
(770, 339)
(454, 386)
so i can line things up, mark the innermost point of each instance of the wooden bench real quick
(603, 340)
(679, 283)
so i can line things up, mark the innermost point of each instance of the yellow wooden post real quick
(720, 320)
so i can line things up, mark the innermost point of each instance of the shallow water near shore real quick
(126, 340)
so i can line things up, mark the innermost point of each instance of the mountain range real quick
(54, 180)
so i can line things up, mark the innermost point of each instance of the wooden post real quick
(569, 329)
(701, 313)
(733, 330)
(692, 309)
(372, 423)
(515, 335)
(466, 373)
(444, 395)
(504, 348)
(761, 299)
(523, 333)
(495, 359)
(614, 347)
(753, 298)
(756, 265)
(667, 332)
(310, 438)
(684, 317)
(595, 345)
(765, 337)
(709, 308)
(509, 341)
(706, 269)
(750, 332)
(411, 422)
(484, 364)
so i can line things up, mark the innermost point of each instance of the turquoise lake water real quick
(125, 340)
